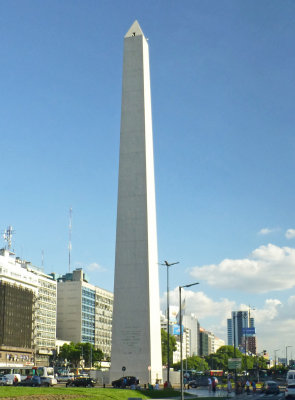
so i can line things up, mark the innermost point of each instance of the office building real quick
(241, 331)
(84, 311)
(27, 312)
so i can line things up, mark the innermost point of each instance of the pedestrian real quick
(248, 386)
(229, 386)
(157, 387)
(254, 387)
(209, 384)
(214, 385)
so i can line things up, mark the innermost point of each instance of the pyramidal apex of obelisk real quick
(136, 334)
(134, 30)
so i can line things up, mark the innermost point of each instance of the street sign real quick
(234, 363)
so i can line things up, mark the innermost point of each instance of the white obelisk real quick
(136, 337)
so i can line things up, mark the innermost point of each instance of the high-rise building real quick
(84, 311)
(136, 340)
(237, 331)
(191, 323)
(27, 312)
(206, 342)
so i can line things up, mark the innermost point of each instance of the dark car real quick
(270, 387)
(198, 381)
(34, 381)
(78, 382)
(125, 381)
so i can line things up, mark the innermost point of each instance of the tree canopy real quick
(172, 346)
(75, 352)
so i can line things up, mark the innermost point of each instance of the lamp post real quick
(180, 326)
(275, 351)
(287, 355)
(166, 264)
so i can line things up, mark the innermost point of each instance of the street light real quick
(287, 355)
(168, 317)
(180, 325)
(275, 351)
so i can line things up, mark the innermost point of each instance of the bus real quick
(28, 372)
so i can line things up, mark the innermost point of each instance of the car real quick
(198, 381)
(290, 390)
(125, 381)
(4, 381)
(78, 382)
(48, 381)
(65, 378)
(37, 381)
(270, 387)
(34, 381)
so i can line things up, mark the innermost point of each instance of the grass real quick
(63, 393)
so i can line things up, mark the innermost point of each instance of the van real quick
(290, 379)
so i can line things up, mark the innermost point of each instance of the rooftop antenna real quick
(7, 235)
(70, 238)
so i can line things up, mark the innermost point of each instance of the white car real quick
(48, 381)
(4, 381)
(290, 390)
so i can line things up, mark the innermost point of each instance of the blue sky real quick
(222, 81)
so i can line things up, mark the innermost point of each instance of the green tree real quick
(219, 360)
(172, 346)
(195, 362)
(75, 352)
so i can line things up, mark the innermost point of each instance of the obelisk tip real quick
(134, 30)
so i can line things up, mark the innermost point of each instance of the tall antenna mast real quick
(8, 236)
(70, 238)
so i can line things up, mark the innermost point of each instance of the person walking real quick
(248, 386)
(209, 384)
(229, 386)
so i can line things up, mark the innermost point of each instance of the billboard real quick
(176, 329)
(248, 331)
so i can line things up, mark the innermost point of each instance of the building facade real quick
(84, 311)
(237, 327)
(27, 312)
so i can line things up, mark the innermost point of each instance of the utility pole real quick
(70, 238)
(181, 336)
(166, 264)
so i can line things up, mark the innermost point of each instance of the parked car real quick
(4, 381)
(48, 381)
(78, 382)
(290, 390)
(125, 381)
(34, 381)
(65, 378)
(270, 387)
(37, 381)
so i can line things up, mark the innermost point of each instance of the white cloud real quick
(274, 320)
(200, 304)
(95, 267)
(268, 268)
(266, 231)
(290, 233)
